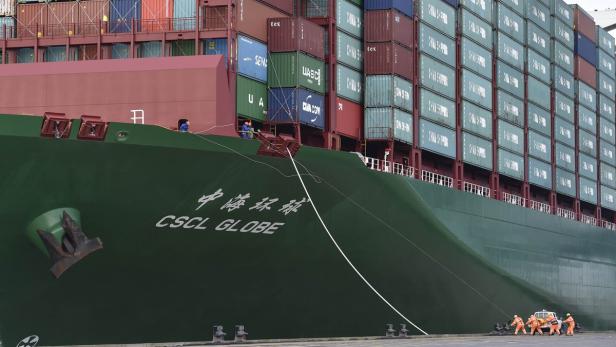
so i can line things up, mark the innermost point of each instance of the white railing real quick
(540, 206)
(514, 199)
(588, 219)
(608, 225)
(403, 170)
(561, 212)
(437, 179)
(373, 163)
(476, 189)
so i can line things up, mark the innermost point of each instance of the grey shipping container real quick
(510, 23)
(605, 63)
(563, 11)
(516, 5)
(608, 175)
(539, 146)
(437, 45)
(564, 157)
(538, 39)
(510, 79)
(438, 14)
(563, 33)
(387, 122)
(349, 50)
(538, 66)
(510, 137)
(565, 182)
(510, 108)
(562, 56)
(482, 8)
(605, 41)
(538, 13)
(476, 120)
(608, 198)
(607, 152)
(586, 95)
(510, 164)
(476, 58)
(437, 139)
(349, 83)
(563, 81)
(509, 51)
(388, 91)
(437, 108)
(588, 190)
(606, 85)
(587, 143)
(587, 120)
(607, 131)
(539, 119)
(539, 173)
(587, 166)
(476, 151)
(476, 89)
(437, 76)
(349, 18)
(475, 29)
(538, 92)
(564, 107)
(564, 132)
(606, 107)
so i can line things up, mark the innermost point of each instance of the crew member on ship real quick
(519, 324)
(534, 325)
(570, 324)
(553, 323)
(184, 126)
(247, 130)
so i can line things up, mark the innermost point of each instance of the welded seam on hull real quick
(344, 255)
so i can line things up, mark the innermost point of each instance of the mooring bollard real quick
(240, 333)
(404, 332)
(390, 332)
(218, 335)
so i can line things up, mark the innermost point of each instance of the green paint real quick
(251, 98)
(296, 69)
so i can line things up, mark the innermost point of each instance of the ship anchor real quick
(73, 247)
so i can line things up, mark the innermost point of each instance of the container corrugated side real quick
(251, 98)
(403, 6)
(608, 198)
(563, 81)
(510, 108)
(510, 137)
(481, 8)
(436, 44)
(149, 49)
(388, 25)
(510, 23)
(55, 53)
(437, 108)
(381, 58)
(587, 143)
(475, 29)
(476, 89)
(181, 48)
(564, 132)
(539, 66)
(285, 6)
(564, 107)
(608, 175)
(606, 85)
(565, 182)
(295, 34)
(476, 58)
(605, 63)
(586, 95)
(7, 27)
(349, 117)
(252, 58)
(516, 5)
(538, 13)
(388, 91)
(606, 107)
(349, 50)
(476, 151)
(251, 18)
(29, 16)
(437, 76)
(585, 72)
(562, 11)
(539, 173)
(585, 48)
(607, 131)
(24, 55)
(607, 152)
(538, 39)
(91, 13)
(538, 92)
(509, 51)
(587, 120)
(476, 120)
(61, 18)
(349, 84)
(120, 51)
(539, 146)
(583, 22)
(387, 122)
(290, 105)
(349, 18)
(588, 190)
(437, 139)
(539, 119)
(563, 33)
(564, 156)
(605, 41)
(122, 13)
(155, 14)
(7, 8)
(562, 56)
(438, 15)
(510, 79)
(587, 166)
(510, 164)
(296, 70)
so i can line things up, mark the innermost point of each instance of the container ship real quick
(439, 164)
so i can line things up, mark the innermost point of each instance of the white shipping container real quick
(7, 7)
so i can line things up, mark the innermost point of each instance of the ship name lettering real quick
(254, 227)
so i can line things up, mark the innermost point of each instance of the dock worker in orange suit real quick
(534, 325)
(570, 324)
(519, 324)
(553, 323)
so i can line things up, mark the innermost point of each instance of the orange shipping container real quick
(215, 18)
(61, 18)
(92, 14)
(156, 14)
(348, 118)
(31, 20)
(252, 18)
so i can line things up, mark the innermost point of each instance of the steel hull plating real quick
(451, 262)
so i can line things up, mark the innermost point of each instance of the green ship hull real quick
(178, 258)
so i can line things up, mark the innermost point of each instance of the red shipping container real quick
(31, 20)
(383, 58)
(584, 23)
(285, 6)
(92, 14)
(215, 18)
(291, 34)
(585, 72)
(62, 18)
(121, 89)
(251, 17)
(348, 118)
(388, 25)
(155, 15)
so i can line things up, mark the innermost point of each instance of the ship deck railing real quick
(446, 181)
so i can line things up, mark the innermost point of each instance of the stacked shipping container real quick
(388, 99)
(7, 19)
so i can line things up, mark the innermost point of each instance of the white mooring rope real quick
(342, 252)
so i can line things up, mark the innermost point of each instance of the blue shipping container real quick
(252, 58)
(403, 6)
(215, 46)
(289, 105)
(184, 13)
(122, 13)
(585, 49)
